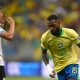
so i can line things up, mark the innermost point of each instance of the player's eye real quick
(51, 25)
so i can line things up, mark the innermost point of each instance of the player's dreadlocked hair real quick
(52, 17)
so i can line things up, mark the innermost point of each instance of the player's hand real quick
(51, 72)
(52, 75)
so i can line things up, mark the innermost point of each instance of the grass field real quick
(28, 78)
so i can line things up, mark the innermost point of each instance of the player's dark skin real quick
(55, 28)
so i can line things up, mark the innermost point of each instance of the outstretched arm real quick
(8, 35)
(46, 61)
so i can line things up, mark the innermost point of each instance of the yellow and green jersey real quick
(61, 47)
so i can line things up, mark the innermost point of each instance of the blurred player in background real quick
(59, 41)
(6, 34)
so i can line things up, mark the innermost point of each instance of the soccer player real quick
(59, 41)
(8, 35)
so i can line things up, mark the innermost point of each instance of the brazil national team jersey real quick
(61, 48)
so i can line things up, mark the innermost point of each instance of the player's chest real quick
(59, 42)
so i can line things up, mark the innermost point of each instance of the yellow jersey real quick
(61, 47)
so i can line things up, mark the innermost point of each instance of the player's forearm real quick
(46, 61)
(45, 58)
(12, 26)
(10, 33)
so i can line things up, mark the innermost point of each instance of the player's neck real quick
(58, 32)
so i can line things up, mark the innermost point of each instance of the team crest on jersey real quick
(60, 45)
(74, 70)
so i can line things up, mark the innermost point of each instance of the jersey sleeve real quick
(77, 40)
(75, 37)
(44, 43)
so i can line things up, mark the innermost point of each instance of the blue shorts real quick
(71, 71)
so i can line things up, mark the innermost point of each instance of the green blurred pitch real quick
(28, 78)
(25, 78)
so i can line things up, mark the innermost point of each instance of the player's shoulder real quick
(71, 32)
(68, 30)
(45, 34)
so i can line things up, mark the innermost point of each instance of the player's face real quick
(54, 25)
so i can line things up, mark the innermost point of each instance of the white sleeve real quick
(1, 30)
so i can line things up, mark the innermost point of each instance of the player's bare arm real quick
(46, 61)
(8, 35)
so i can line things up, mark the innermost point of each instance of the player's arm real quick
(8, 35)
(75, 37)
(45, 56)
(46, 61)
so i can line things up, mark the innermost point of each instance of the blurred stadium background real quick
(22, 55)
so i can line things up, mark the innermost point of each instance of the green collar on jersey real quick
(58, 32)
